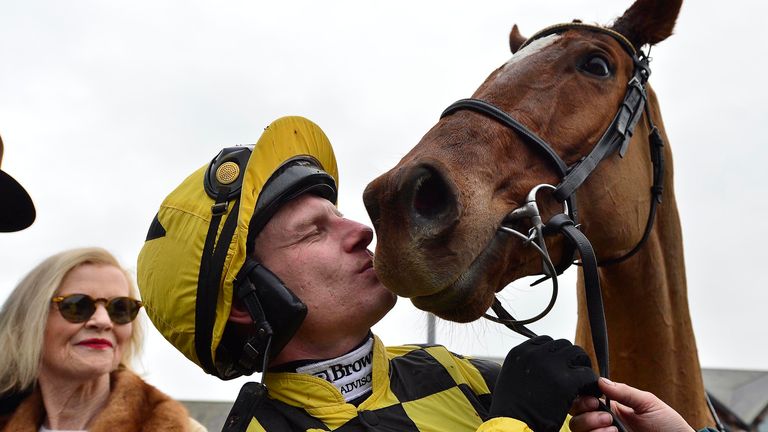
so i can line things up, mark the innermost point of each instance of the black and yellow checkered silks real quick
(416, 388)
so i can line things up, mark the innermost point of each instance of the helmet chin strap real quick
(259, 343)
(252, 394)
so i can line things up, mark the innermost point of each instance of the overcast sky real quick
(106, 106)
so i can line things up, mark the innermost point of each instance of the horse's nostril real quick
(433, 201)
(430, 198)
(417, 199)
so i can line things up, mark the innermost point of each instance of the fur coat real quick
(133, 406)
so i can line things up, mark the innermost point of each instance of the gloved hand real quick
(539, 381)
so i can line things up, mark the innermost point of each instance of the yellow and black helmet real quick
(196, 255)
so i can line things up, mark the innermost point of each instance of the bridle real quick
(616, 138)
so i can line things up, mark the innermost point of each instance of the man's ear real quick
(238, 314)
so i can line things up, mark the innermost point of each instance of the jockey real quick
(248, 266)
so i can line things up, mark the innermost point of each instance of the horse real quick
(439, 213)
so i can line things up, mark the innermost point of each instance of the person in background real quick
(16, 208)
(68, 333)
(249, 266)
(639, 410)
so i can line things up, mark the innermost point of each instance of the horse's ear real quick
(515, 39)
(648, 21)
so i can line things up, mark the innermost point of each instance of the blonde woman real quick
(68, 334)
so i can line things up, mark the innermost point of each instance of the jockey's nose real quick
(422, 193)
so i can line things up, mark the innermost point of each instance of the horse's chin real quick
(473, 292)
(455, 304)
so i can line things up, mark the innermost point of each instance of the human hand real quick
(639, 410)
(539, 381)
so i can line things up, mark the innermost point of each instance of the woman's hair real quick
(24, 316)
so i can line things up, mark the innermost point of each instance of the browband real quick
(559, 28)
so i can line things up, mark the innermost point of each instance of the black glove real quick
(539, 381)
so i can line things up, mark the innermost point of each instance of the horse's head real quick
(437, 213)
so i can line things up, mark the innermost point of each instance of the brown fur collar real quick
(133, 406)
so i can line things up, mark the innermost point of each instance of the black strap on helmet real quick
(209, 277)
(222, 182)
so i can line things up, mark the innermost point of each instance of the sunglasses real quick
(78, 308)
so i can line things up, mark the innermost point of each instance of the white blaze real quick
(531, 48)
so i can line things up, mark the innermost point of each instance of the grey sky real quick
(106, 106)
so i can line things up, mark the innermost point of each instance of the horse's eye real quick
(596, 65)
